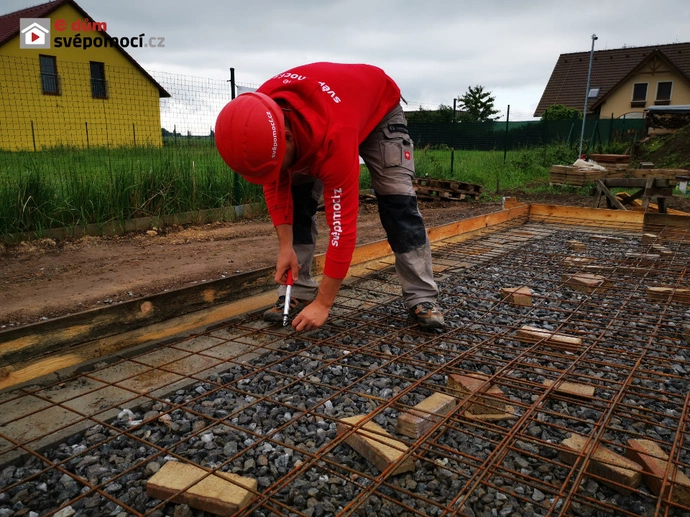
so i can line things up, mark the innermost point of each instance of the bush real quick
(561, 112)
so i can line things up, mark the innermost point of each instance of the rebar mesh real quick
(260, 401)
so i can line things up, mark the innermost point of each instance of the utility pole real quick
(584, 111)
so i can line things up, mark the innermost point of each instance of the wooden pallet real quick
(451, 190)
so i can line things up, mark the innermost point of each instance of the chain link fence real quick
(90, 142)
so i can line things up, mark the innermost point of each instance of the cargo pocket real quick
(397, 148)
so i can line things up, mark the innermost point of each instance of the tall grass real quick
(74, 187)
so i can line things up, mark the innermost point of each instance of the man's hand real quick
(312, 316)
(287, 259)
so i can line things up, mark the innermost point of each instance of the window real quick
(663, 93)
(49, 77)
(639, 98)
(98, 90)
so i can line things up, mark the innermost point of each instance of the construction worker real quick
(299, 135)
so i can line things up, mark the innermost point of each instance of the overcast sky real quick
(434, 49)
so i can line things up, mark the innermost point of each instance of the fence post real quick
(86, 126)
(452, 137)
(33, 135)
(610, 129)
(505, 144)
(134, 134)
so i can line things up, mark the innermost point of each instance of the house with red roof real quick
(67, 82)
(624, 82)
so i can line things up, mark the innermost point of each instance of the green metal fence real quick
(486, 136)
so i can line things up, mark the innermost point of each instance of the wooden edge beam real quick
(377, 445)
(419, 420)
(572, 388)
(603, 463)
(221, 493)
(654, 461)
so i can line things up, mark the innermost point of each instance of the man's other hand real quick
(312, 317)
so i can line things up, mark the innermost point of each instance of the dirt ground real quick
(44, 279)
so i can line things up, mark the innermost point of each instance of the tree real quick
(478, 105)
(442, 114)
(561, 112)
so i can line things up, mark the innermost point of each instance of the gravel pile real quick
(278, 425)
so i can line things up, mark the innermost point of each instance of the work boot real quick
(427, 315)
(275, 313)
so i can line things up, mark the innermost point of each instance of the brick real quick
(221, 493)
(417, 421)
(586, 282)
(572, 388)
(654, 461)
(604, 463)
(533, 334)
(577, 245)
(378, 447)
(492, 400)
(663, 294)
(519, 296)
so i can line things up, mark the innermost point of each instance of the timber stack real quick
(440, 189)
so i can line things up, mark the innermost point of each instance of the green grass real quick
(74, 187)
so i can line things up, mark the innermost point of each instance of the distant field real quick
(73, 187)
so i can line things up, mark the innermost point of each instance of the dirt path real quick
(43, 279)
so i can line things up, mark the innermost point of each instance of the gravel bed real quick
(274, 419)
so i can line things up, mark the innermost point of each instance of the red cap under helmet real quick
(250, 137)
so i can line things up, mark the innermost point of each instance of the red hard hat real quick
(250, 137)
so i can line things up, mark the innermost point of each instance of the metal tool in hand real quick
(288, 291)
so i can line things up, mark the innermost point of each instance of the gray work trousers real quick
(388, 153)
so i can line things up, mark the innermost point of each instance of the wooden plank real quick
(603, 463)
(613, 199)
(572, 388)
(643, 257)
(509, 414)
(529, 334)
(518, 296)
(221, 493)
(491, 400)
(649, 238)
(40, 339)
(586, 214)
(419, 420)
(586, 282)
(654, 462)
(576, 245)
(621, 270)
(376, 445)
(664, 294)
(653, 221)
(577, 261)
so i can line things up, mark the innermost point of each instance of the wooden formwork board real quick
(35, 350)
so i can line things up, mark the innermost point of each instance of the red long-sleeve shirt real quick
(333, 108)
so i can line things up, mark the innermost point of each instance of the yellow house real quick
(624, 82)
(67, 82)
